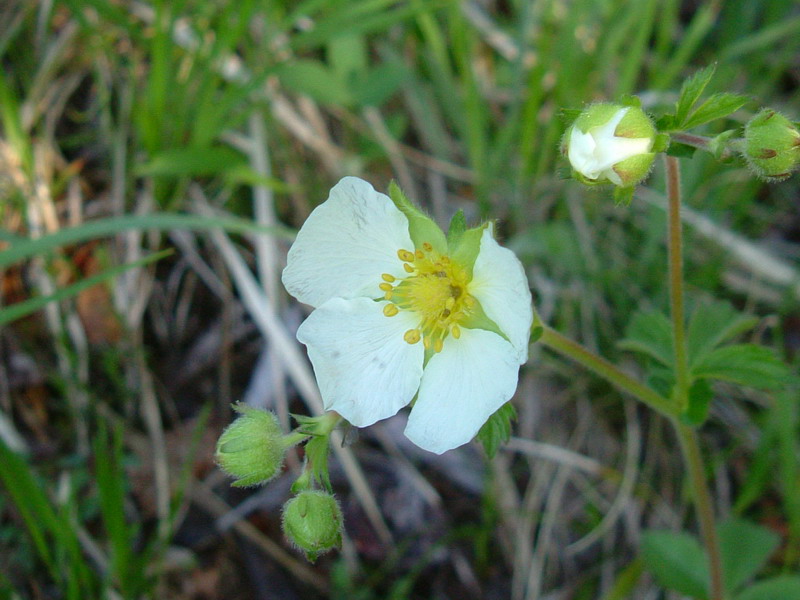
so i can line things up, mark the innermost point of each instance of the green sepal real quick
(316, 467)
(568, 115)
(497, 430)
(623, 195)
(421, 227)
(661, 142)
(536, 333)
(700, 396)
(630, 100)
(464, 250)
(719, 144)
(458, 225)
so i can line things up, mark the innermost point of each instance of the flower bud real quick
(312, 521)
(611, 143)
(771, 145)
(252, 447)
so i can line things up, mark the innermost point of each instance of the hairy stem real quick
(565, 346)
(703, 505)
(686, 434)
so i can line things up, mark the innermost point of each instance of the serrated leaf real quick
(716, 107)
(712, 324)
(744, 547)
(745, 364)
(691, 90)
(651, 334)
(786, 587)
(497, 430)
(677, 561)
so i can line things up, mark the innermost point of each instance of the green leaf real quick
(717, 106)
(745, 364)
(700, 396)
(497, 430)
(192, 162)
(315, 80)
(712, 324)
(677, 561)
(421, 227)
(679, 150)
(377, 85)
(348, 56)
(786, 587)
(744, 547)
(691, 90)
(651, 334)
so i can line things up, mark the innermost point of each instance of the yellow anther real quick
(450, 303)
(455, 330)
(388, 295)
(405, 255)
(419, 254)
(390, 310)
(388, 278)
(386, 287)
(426, 341)
(408, 268)
(438, 345)
(427, 247)
(412, 336)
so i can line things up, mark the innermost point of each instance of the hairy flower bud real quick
(611, 143)
(771, 145)
(312, 521)
(252, 447)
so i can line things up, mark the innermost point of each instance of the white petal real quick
(463, 385)
(500, 285)
(581, 153)
(345, 245)
(365, 370)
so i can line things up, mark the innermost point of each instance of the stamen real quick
(412, 336)
(405, 255)
(427, 247)
(455, 331)
(386, 287)
(438, 345)
(408, 268)
(426, 341)
(390, 310)
(419, 254)
(388, 295)
(388, 278)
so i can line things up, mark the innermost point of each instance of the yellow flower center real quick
(435, 290)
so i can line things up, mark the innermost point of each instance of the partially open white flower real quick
(611, 143)
(403, 312)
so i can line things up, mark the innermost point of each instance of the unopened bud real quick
(611, 143)
(252, 447)
(771, 145)
(312, 521)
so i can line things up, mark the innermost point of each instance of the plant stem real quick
(703, 505)
(675, 251)
(565, 346)
(686, 434)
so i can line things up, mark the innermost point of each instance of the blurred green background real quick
(245, 113)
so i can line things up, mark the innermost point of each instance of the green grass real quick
(126, 131)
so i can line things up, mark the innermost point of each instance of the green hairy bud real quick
(611, 143)
(312, 521)
(771, 145)
(252, 447)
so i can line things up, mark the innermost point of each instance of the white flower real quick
(602, 148)
(447, 323)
